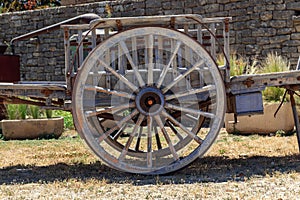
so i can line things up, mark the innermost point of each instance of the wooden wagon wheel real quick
(149, 100)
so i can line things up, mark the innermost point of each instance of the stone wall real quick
(258, 27)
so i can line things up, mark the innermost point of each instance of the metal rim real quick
(138, 100)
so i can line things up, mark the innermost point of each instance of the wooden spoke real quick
(174, 130)
(166, 135)
(149, 141)
(113, 109)
(150, 58)
(175, 122)
(190, 92)
(190, 117)
(181, 76)
(189, 110)
(158, 143)
(120, 131)
(132, 134)
(134, 51)
(119, 76)
(138, 141)
(109, 91)
(133, 65)
(118, 125)
(165, 69)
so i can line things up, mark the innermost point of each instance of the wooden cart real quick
(149, 97)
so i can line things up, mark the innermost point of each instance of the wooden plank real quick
(80, 50)
(32, 86)
(258, 82)
(213, 41)
(33, 90)
(153, 20)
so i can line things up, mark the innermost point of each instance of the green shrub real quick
(274, 63)
(68, 119)
(239, 65)
(35, 112)
(20, 5)
(21, 111)
(12, 111)
(49, 113)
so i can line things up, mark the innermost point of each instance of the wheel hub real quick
(150, 101)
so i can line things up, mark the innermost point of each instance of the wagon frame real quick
(149, 97)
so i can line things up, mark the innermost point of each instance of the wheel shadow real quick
(208, 169)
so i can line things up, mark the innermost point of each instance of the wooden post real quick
(296, 119)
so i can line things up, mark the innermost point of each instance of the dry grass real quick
(237, 167)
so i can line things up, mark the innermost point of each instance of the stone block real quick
(278, 23)
(266, 15)
(198, 10)
(240, 26)
(284, 31)
(289, 49)
(293, 5)
(295, 36)
(284, 14)
(253, 24)
(243, 4)
(230, 6)
(263, 40)
(292, 43)
(223, 1)
(264, 32)
(277, 1)
(153, 4)
(248, 40)
(177, 4)
(166, 5)
(260, 8)
(246, 33)
(271, 7)
(237, 12)
(280, 7)
(272, 46)
(212, 8)
(189, 3)
(280, 39)
(221, 14)
(32, 62)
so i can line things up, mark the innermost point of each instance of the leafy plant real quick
(12, 111)
(239, 65)
(16, 111)
(22, 111)
(19, 5)
(35, 112)
(68, 119)
(49, 113)
(274, 63)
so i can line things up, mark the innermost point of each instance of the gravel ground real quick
(237, 167)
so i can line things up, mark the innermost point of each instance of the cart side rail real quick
(212, 33)
(85, 18)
